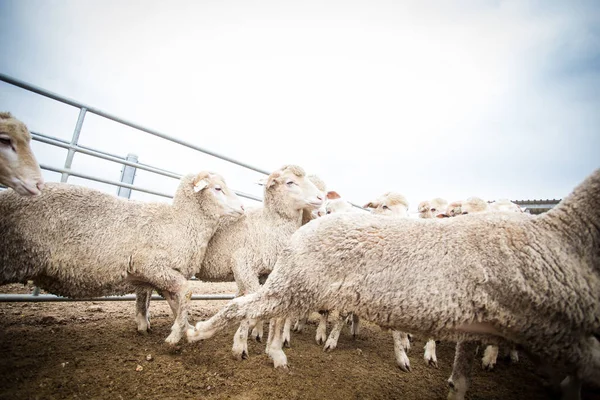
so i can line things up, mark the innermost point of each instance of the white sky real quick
(427, 98)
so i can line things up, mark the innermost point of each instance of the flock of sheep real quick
(479, 273)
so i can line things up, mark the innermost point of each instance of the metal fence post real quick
(127, 176)
(74, 140)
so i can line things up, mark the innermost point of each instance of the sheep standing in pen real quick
(249, 247)
(79, 242)
(19, 169)
(533, 281)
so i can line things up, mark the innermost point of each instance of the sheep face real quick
(454, 209)
(292, 186)
(19, 169)
(207, 184)
(424, 209)
(392, 204)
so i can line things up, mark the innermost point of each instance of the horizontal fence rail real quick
(97, 111)
(44, 298)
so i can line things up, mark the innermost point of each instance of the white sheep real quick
(534, 281)
(19, 169)
(79, 242)
(248, 248)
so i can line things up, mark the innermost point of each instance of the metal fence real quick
(130, 165)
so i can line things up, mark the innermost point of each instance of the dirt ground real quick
(92, 351)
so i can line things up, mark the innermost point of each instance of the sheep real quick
(19, 169)
(79, 242)
(530, 280)
(389, 203)
(248, 248)
(433, 208)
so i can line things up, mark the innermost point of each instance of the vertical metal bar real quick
(74, 140)
(127, 176)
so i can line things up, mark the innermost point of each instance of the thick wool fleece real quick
(532, 280)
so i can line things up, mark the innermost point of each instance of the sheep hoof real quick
(330, 345)
(404, 366)
(450, 384)
(514, 356)
(286, 343)
(258, 339)
(433, 363)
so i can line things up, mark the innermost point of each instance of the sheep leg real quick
(257, 332)
(355, 327)
(171, 302)
(275, 350)
(142, 303)
(240, 341)
(403, 339)
(334, 335)
(173, 284)
(461, 370)
(321, 335)
(399, 351)
(300, 324)
(287, 327)
(429, 355)
(490, 357)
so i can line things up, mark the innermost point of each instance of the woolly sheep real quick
(433, 208)
(534, 281)
(19, 169)
(248, 248)
(79, 242)
(389, 203)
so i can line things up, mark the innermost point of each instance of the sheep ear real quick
(199, 185)
(262, 181)
(333, 195)
(369, 205)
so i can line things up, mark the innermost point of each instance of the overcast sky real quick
(497, 99)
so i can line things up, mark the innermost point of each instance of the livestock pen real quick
(52, 347)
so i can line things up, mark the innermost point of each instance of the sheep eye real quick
(5, 142)
(218, 188)
(290, 183)
(385, 207)
(328, 212)
(433, 210)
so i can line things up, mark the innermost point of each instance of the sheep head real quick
(19, 169)
(210, 191)
(390, 203)
(290, 189)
